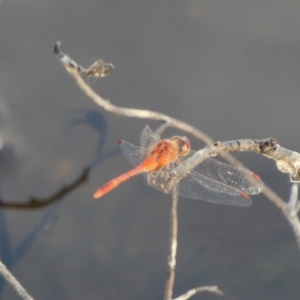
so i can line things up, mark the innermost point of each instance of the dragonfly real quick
(163, 162)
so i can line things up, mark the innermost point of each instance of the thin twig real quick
(287, 161)
(146, 114)
(190, 293)
(292, 204)
(14, 282)
(172, 122)
(173, 246)
(37, 203)
(292, 212)
(162, 128)
(152, 115)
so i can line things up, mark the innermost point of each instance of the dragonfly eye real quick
(184, 145)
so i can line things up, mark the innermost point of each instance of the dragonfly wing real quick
(148, 138)
(189, 187)
(224, 178)
(133, 153)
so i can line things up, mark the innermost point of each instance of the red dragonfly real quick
(162, 162)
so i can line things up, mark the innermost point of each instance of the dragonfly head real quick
(183, 144)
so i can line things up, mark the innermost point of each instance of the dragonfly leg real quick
(165, 190)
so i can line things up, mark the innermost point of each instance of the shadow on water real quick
(95, 121)
(9, 163)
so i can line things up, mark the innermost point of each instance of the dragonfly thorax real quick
(164, 153)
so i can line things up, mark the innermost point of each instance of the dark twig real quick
(37, 203)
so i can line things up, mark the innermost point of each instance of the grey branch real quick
(173, 247)
(286, 160)
(146, 114)
(292, 211)
(98, 69)
(124, 111)
(190, 293)
(14, 282)
(293, 202)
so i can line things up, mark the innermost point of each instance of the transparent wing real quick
(218, 182)
(188, 187)
(148, 138)
(134, 154)
(137, 154)
(224, 178)
(214, 181)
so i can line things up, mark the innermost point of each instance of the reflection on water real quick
(95, 121)
(12, 148)
(10, 161)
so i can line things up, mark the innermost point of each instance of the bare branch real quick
(190, 293)
(173, 247)
(71, 67)
(272, 150)
(14, 282)
(293, 198)
(292, 212)
(146, 114)
(98, 69)
(162, 128)
(286, 160)
(268, 147)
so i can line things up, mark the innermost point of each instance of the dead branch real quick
(146, 114)
(14, 282)
(190, 293)
(37, 203)
(287, 161)
(173, 246)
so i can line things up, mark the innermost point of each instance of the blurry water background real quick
(230, 68)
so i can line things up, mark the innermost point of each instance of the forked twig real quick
(291, 216)
(152, 115)
(286, 160)
(192, 292)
